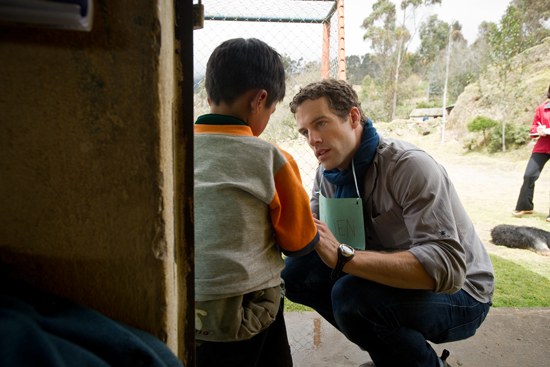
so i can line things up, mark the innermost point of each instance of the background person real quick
(539, 157)
(425, 274)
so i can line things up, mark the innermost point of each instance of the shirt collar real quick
(216, 119)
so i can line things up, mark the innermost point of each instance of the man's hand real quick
(327, 248)
(540, 130)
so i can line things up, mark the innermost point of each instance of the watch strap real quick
(337, 269)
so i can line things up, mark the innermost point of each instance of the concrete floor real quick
(509, 337)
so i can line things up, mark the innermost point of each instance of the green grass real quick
(516, 286)
(295, 307)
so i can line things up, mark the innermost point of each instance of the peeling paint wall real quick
(85, 162)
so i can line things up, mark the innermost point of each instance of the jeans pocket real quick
(461, 332)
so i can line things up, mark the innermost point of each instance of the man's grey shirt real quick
(410, 204)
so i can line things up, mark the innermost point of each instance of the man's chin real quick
(328, 165)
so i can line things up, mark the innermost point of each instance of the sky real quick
(470, 13)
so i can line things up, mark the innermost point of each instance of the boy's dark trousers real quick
(269, 348)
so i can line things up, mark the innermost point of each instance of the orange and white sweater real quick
(249, 205)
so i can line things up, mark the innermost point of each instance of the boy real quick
(249, 205)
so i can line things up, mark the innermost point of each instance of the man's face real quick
(333, 141)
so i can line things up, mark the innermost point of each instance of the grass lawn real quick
(517, 286)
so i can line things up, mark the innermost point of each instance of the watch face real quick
(346, 250)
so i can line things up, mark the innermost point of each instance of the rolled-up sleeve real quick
(422, 188)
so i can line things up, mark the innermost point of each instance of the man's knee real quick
(352, 300)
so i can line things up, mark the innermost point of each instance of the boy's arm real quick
(295, 231)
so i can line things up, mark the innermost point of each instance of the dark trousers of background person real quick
(269, 348)
(532, 172)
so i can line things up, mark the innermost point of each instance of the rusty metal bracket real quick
(198, 16)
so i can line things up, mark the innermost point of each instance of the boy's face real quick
(259, 121)
(333, 141)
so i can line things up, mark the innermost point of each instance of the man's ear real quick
(355, 117)
(258, 101)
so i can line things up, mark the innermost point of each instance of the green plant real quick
(515, 137)
(469, 142)
(481, 123)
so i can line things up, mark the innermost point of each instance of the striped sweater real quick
(249, 205)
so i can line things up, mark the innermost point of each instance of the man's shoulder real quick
(396, 148)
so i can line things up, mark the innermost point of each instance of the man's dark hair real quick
(340, 95)
(239, 65)
(548, 93)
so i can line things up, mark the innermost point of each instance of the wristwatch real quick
(345, 254)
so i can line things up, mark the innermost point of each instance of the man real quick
(425, 274)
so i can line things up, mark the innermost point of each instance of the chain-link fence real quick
(305, 33)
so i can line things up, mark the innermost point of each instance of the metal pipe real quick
(249, 18)
(341, 42)
(325, 57)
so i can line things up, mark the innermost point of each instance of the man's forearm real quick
(399, 269)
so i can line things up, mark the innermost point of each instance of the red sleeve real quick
(536, 121)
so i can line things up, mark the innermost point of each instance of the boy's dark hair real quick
(548, 93)
(340, 95)
(239, 65)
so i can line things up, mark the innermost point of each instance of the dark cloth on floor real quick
(41, 329)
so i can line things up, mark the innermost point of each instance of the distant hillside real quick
(482, 97)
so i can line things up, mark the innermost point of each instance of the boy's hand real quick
(327, 248)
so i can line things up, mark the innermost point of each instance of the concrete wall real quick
(86, 163)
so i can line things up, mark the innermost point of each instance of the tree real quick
(433, 38)
(506, 41)
(454, 34)
(533, 15)
(481, 123)
(292, 66)
(357, 67)
(390, 40)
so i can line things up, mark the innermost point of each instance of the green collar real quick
(215, 119)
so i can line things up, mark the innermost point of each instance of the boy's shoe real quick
(548, 218)
(519, 213)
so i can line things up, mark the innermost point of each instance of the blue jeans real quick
(391, 324)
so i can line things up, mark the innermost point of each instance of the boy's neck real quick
(250, 107)
(240, 108)
(229, 110)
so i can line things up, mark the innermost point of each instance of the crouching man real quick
(424, 274)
